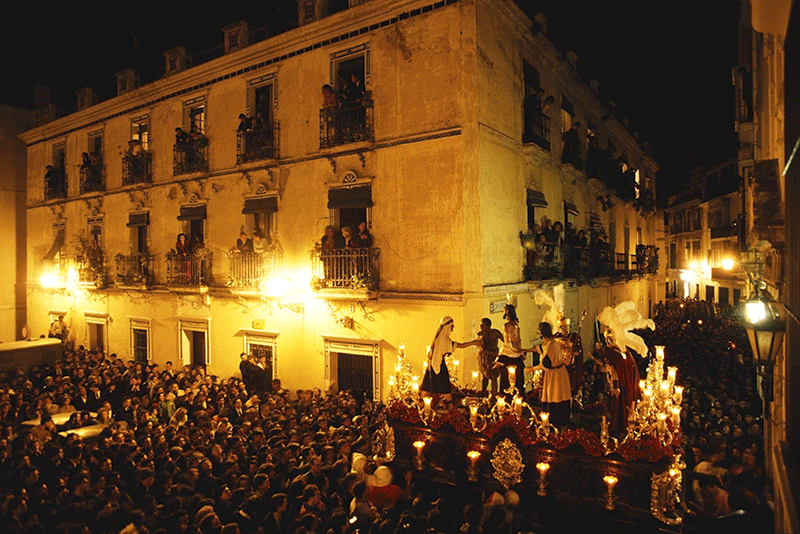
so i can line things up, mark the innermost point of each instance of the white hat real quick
(383, 476)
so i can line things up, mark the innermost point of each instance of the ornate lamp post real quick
(764, 320)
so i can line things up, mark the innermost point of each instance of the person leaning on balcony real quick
(364, 238)
(259, 243)
(243, 243)
(182, 247)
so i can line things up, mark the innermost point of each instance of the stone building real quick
(436, 136)
(702, 225)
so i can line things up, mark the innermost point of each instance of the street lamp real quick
(763, 318)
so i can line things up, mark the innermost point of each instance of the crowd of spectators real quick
(722, 413)
(185, 452)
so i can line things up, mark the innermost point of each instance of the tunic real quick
(556, 386)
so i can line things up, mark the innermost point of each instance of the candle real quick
(660, 352)
(545, 420)
(642, 384)
(676, 416)
(662, 423)
(518, 406)
(610, 481)
(475, 376)
(501, 405)
(678, 397)
(473, 413)
(604, 428)
(419, 445)
(427, 401)
(542, 467)
(473, 458)
(672, 371)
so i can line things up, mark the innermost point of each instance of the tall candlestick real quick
(603, 428)
(660, 352)
(427, 401)
(518, 406)
(545, 420)
(501, 405)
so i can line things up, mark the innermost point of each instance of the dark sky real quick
(665, 64)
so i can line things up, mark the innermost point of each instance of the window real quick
(194, 341)
(96, 330)
(567, 114)
(349, 81)
(95, 230)
(260, 98)
(140, 131)
(350, 206)
(138, 223)
(260, 213)
(195, 114)
(140, 340)
(193, 217)
(535, 199)
(261, 345)
(353, 364)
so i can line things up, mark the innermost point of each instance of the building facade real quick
(422, 120)
(702, 225)
(13, 287)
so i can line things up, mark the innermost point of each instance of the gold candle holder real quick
(472, 472)
(610, 481)
(419, 459)
(542, 467)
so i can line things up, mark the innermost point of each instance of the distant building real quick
(702, 228)
(436, 137)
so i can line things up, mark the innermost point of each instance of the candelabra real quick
(404, 385)
(660, 402)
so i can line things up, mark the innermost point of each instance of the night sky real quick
(667, 65)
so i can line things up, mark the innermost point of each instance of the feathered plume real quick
(622, 320)
(553, 314)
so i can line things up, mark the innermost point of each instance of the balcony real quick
(248, 269)
(91, 268)
(543, 261)
(93, 178)
(134, 270)
(257, 144)
(724, 231)
(189, 270)
(348, 124)
(190, 156)
(55, 184)
(538, 131)
(345, 268)
(137, 168)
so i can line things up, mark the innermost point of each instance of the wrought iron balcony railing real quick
(93, 178)
(191, 156)
(538, 131)
(137, 168)
(134, 269)
(346, 268)
(347, 124)
(189, 270)
(257, 144)
(55, 184)
(247, 269)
